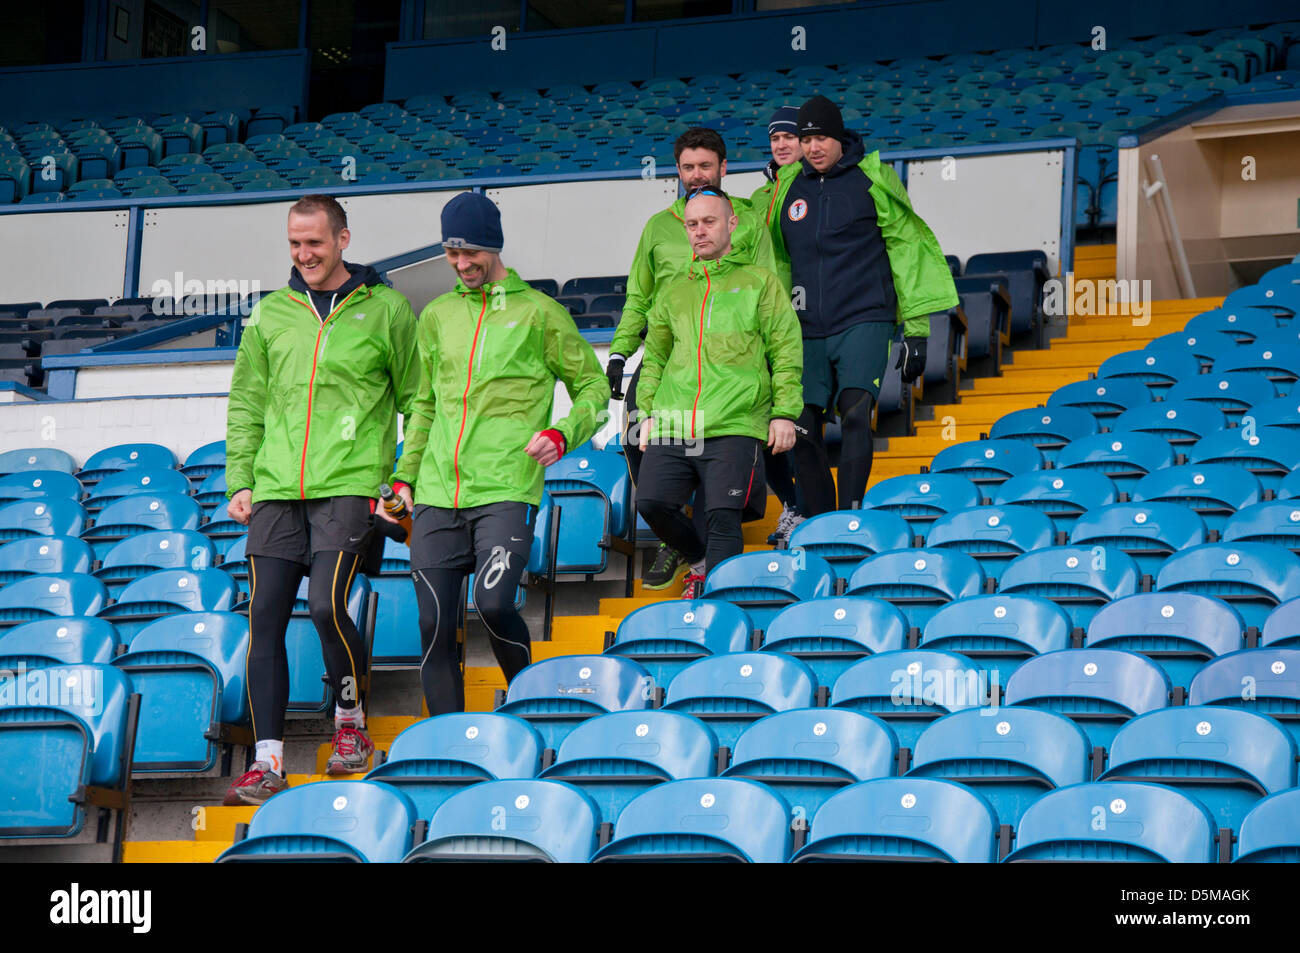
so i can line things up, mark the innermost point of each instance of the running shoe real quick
(257, 784)
(667, 566)
(694, 587)
(352, 751)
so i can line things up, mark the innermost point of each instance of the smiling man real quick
(323, 368)
(479, 439)
(721, 370)
(664, 252)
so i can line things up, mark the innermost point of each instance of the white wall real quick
(46, 256)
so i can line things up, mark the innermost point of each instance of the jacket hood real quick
(854, 152)
(512, 284)
(358, 275)
(731, 259)
(770, 170)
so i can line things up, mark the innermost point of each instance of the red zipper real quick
(455, 459)
(311, 384)
(699, 355)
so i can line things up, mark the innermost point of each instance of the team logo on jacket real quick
(798, 209)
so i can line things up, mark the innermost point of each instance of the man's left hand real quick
(543, 448)
(780, 435)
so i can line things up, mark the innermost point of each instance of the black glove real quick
(911, 358)
(614, 371)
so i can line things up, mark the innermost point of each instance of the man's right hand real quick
(405, 493)
(240, 507)
(614, 371)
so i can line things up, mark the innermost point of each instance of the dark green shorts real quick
(854, 358)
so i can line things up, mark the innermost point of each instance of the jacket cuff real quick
(230, 494)
(400, 485)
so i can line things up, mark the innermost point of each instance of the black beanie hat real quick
(820, 117)
(472, 220)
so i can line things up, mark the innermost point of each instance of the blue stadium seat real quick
(808, 754)
(763, 583)
(124, 457)
(555, 694)
(593, 491)
(666, 636)
(1282, 628)
(397, 623)
(1275, 521)
(910, 688)
(918, 581)
(43, 554)
(988, 462)
(512, 820)
(1233, 392)
(845, 537)
(832, 633)
(1061, 496)
(1124, 457)
(189, 671)
(1252, 577)
(66, 640)
(998, 632)
(63, 731)
(728, 692)
(205, 461)
(903, 819)
(1098, 689)
(437, 757)
(1012, 756)
(335, 821)
(1047, 428)
(1204, 346)
(922, 499)
(1289, 488)
(1179, 631)
(1159, 370)
(1242, 324)
(211, 494)
(994, 535)
(700, 820)
(37, 458)
(143, 479)
(615, 757)
(140, 555)
(1270, 833)
(1105, 400)
(1214, 490)
(48, 595)
(1271, 453)
(1278, 412)
(1279, 364)
(1181, 423)
(141, 513)
(1283, 302)
(1080, 579)
(1259, 680)
(48, 516)
(1149, 532)
(1115, 821)
(31, 484)
(168, 591)
(1226, 758)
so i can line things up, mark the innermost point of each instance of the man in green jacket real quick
(861, 262)
(323, 368)
(663, 253)
(479, 439)
(719, 378)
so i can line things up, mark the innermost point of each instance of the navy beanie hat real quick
(472, 220)
(820, 117)
(785, 119)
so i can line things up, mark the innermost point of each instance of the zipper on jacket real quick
(311, 383)
(469, 377)
(821, 257)
(699, 355)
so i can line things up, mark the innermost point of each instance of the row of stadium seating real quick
(916, 103)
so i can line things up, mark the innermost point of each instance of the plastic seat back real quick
(1276, 522)
(1271, 453)
(1158, 370)
(1124, 457)
(918, 581)
(1214, 490)
(1179, 631)
(988, 462)
(48, 595)
(1047, 428)
(705, 819)
(1181, 423)
(903, 819)
(1105, 400)
(120, 483)
(830, 634)
(70, 640)
(123, 457)
(1080, 579)
(32, 484)
(666, 636)
(998, 631)
(845, 537)
(37, 458)
(994, 535)
(1115, 821)
(1060, 495)
(1149, 532)
(1253, 577)
(555, 694)
(1270, 833)
(43, 554)
(762, 583)
(46, 516)
(923, 498)
(728, 692)
(1265, 681)
(1232, 392)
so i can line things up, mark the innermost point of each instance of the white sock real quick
(349, 717)
(272, 753)
(697, 569)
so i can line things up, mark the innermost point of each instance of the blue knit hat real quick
(785, 119)
(472, 220)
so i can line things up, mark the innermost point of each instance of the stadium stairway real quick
(1028, 379)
